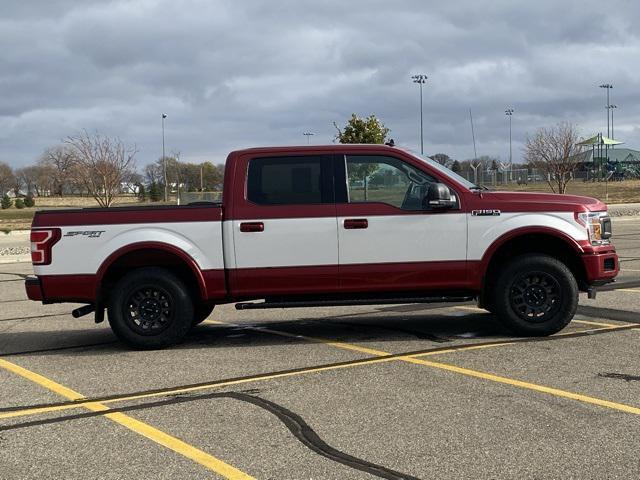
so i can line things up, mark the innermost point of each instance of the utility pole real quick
(308, 135)
(608, 87)
(164, 162)
(421, 80)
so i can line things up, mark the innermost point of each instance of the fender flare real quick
(483, 266)
(171, 249)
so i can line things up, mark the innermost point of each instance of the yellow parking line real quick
(343, 345)
(529, 386)
(595, 324)
(141, 428)
(629, 270)
(488, 376)
(179, 390)
(634, 290)
(220, 384)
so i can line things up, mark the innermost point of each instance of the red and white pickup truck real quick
(325, 225)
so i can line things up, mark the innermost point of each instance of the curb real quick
(16, 259)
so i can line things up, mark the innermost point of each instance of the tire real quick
(201, 312)
(535, 295)
(150, 308)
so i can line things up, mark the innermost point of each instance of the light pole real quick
(421, 80)
(611, 107)
(164, 161)
(608, 86)
(509, 112)
(308, 135)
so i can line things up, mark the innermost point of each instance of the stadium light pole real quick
(164, 161)
(608, 87)
(421, 80)
(611, 107)
(308, 135)
(509, 113)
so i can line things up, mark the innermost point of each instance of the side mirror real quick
(438, 196)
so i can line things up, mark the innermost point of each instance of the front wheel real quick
(150, 308)
(535, 295)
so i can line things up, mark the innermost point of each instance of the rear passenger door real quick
(284, 226)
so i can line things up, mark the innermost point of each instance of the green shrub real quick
(29, 201)
(142, 194)
(155, 194)
(19, 203)
(6, 202)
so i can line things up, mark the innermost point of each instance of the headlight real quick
(598, 225)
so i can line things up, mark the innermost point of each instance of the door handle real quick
(353, 223)
(252, 227)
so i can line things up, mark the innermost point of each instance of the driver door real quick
(387, 239)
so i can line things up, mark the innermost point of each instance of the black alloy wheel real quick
(149, 310)
(533, 295)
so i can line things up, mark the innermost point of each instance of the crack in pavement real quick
(300, 429)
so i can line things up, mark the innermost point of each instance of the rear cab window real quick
(290, 180)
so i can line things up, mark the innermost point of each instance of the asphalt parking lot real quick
(408, 391)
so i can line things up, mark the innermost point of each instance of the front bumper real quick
(33, 288)
(601, 267)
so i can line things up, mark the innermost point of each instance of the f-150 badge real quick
(485, 213)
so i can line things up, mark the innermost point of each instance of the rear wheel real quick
(535, 295)
(201, 312)
(150, 308)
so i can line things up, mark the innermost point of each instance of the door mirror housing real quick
(438, 197)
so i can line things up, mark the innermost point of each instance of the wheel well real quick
(148, 257)
(534, 243)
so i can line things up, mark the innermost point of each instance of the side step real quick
(351, 302)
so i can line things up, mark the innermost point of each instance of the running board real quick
(352, 302)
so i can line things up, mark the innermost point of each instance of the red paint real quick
(69, 288)
(594, 266)
(531, 202)
(215, 283)
(32, 287)
(260, 282)
(403, 276)
(127, 215)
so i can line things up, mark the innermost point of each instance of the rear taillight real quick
(42, 240)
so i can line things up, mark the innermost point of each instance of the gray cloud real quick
(235, 74)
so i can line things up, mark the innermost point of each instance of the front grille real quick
(609, 264)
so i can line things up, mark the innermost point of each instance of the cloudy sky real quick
(240, 73)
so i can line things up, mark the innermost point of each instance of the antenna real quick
(473, 136)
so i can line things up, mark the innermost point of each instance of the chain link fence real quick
(185, 198)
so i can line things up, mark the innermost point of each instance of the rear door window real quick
(290, 180)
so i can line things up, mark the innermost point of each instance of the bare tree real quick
(442, 158)
(58, 161)
(100, 164)
(553, 150)
(6, 178)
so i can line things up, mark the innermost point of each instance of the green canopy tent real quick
(599, 142)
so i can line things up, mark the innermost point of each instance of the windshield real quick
(445, 171)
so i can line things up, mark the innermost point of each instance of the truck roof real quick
(334, 147)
